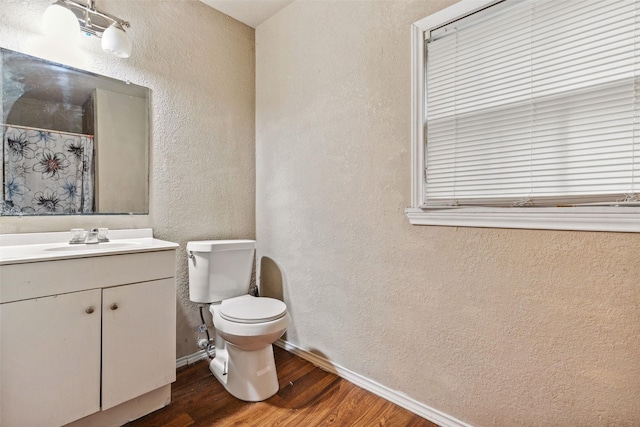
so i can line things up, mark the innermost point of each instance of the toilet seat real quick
(249, 309)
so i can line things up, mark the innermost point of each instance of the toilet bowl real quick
(244, 361)
(245, 326)
(250, 323)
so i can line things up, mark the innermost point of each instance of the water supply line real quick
(208, 348)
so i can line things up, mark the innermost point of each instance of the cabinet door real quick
(50, 359)
(138, 339)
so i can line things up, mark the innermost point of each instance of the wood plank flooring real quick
(308, 397)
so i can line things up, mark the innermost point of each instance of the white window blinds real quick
(534, 103)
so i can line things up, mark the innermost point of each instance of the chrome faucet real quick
(92, 236)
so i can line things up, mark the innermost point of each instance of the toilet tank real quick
(219, 269)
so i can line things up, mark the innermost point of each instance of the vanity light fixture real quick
(64, 18)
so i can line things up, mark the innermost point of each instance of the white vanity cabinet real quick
(88, 339)
(50, 358)
(138, 339)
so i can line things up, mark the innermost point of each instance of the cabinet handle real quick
(114, 306)
(90, 310)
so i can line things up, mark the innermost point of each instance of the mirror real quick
(73, 142)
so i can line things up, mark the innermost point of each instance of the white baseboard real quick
(394, 396)
(191, 358)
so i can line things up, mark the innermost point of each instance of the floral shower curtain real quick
(47, 171)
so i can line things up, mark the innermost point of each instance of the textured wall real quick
(495, 327)
(200, 67)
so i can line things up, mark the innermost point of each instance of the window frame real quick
(584, 218)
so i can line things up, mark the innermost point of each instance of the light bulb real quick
(61, 24)
(116, 41)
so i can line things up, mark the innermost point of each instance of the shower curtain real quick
(47, 171)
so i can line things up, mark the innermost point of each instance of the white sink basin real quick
(91, 247)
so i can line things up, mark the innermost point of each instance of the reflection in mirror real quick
(73, 142)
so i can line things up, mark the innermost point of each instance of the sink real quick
(36, 247)
(91, 247)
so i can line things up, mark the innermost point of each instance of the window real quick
(526, 114)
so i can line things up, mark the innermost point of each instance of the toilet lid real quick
(248, 309)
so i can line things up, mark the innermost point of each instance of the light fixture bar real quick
(92, 21)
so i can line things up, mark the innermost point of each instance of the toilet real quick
(245, 326)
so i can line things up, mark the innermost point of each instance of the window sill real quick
(615, 219)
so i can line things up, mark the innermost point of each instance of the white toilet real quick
(245, 326)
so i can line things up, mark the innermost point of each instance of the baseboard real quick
(394, 396)
(191, 358)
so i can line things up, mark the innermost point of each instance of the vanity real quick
(87, 332)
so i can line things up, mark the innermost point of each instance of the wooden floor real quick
(308, 396)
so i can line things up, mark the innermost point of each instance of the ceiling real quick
(250, 12)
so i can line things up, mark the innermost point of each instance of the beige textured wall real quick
(494, 327)
(199, 65)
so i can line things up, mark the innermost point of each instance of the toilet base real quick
(247, 375)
